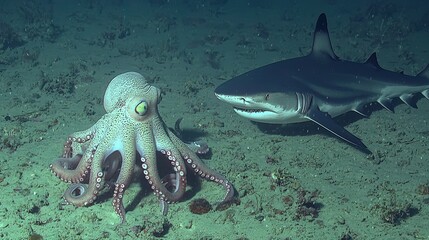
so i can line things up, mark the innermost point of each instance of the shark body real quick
(318, 87)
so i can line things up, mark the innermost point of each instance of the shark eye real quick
(267, 96)
(141, 108)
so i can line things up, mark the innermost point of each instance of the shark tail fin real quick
(425, 74)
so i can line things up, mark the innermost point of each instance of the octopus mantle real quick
(131, 131)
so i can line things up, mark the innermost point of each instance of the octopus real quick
(131, 135)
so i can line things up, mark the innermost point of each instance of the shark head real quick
(266, 95)
(257, 97)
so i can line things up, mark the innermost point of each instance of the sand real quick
(53, 77)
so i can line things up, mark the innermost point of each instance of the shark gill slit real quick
(304, 102)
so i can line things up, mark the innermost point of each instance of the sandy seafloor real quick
(53, 77)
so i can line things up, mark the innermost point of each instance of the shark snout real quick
(235, 101)
(218, 96)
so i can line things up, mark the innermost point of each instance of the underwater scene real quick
(214, 119)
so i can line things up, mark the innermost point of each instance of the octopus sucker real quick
(84, 193)
(74, 169)
(105, 154)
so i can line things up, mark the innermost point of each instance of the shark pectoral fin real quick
(325, 120)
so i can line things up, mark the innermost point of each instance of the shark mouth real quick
(244, 105)
(249, 110)
(258, 114)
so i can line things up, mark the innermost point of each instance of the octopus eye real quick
(141, 108)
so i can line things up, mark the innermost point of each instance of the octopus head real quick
(132, 90)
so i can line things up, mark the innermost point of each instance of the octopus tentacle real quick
(195, 163)
(75, 169)
(150, 170)
(85, 194)
(117, 203)
(124, 178)
(70, 168)
(176, 180)
(170, 181)
(198, 146)
(79, 138)
(169, 150)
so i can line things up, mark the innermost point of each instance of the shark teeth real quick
(249, 110)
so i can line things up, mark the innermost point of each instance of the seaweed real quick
(391, 209)
(380, 23)
(10, 139)
(9, 38)
(65, 83)
(38, 15)
(308, 204)
(213, 58)
(62, 84)
(396, 214)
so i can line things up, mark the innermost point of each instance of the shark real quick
(319, 87)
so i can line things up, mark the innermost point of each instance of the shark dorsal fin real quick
(372, 60)
(321, 41)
